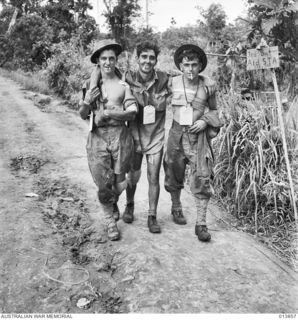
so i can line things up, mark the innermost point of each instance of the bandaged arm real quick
(130, 108)
(125, 115)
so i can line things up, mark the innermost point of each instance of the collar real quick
(149, 83)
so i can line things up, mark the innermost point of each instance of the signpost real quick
(267, 58)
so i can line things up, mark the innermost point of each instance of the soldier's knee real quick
(105, 196)
(133, 177)
(201, 187)
(153, 177)
(120, 187)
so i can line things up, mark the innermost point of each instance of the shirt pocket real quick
(160, 100)
(178, 99)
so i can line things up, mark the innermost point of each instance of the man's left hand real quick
(198, 126)
(105, 115)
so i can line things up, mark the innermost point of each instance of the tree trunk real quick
(13, 20)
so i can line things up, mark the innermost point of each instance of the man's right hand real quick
(100, 118)
(198, 126)
(84, 109)
(94, 79)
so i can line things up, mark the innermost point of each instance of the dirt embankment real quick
(54, 253)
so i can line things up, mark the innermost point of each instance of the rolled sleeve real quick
(129, 99)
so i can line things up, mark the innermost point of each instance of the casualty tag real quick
(149, 115)
(186, 116)
(91, 121)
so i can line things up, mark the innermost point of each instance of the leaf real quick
(293, 7)
(271, 4)
(269, 24)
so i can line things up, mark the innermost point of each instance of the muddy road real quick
(54, 254)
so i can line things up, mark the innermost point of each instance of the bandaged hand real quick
(198, 126)
(105, 115)
(84, 109)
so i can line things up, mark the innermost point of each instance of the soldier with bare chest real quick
(109, 104)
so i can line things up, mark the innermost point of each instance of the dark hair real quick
(189, 54)
(147, 45)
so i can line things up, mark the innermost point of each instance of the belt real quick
(110, 125)
(179, 128)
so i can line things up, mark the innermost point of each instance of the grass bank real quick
(250, 174)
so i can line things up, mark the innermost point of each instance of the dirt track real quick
(54, 251)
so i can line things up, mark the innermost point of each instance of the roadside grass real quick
(251, 175)
(36, 82)
(32, 81)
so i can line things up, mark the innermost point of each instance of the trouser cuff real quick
(152, 213)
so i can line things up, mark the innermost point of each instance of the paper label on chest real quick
(186, 115)
(149, 115)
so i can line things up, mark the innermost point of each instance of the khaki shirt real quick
(149, 138)
(204, 106)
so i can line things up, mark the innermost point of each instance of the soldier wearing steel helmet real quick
(150, 89)
(109, 104)
(195, 123)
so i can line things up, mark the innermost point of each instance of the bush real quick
(30, 38)
(67, 69)
(6, 50)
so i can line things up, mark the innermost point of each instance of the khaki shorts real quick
(182, 150)
(109, 151)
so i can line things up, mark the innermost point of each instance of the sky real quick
(183, 11)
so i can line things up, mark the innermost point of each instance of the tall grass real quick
(32, 81)
(251, 174)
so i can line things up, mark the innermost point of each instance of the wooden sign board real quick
(265, 58)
